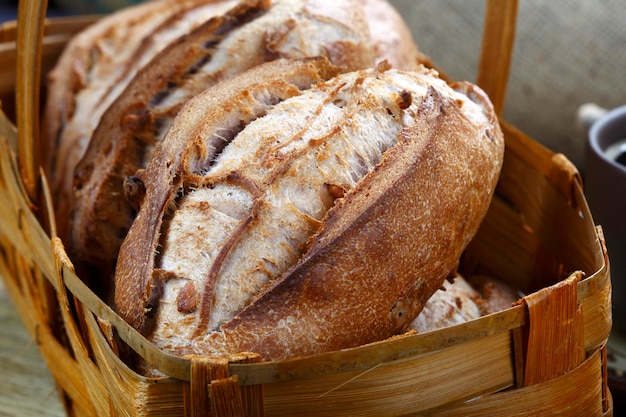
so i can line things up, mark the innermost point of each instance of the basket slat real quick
(132, 394)
(92, 381)
(31, 14)
(555, 336)
(416, 385)
(52, 47)
(225, 398)
(65, 26)
(57, 32)
(573, 394)
(497, 49)
(196, 392)
(31, 242)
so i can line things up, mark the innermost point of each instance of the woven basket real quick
(545, 355)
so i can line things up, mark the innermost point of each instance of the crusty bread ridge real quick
(416, 168)
(247, 35)
(125, 135)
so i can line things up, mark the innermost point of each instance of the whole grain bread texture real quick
(291, 218)
(246, 35)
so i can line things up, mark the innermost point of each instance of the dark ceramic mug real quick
(605, 189)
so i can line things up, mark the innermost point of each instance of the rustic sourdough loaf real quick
(291, 218)
(460, 300)
(94, 68)
(246, 35)
(454, 303)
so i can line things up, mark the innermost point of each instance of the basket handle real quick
(31, 17)
(497, 49)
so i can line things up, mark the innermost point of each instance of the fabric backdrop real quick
(567, 53)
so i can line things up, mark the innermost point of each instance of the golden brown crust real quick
(124, 136)
(92, 70)
(232, 103)
(132, 126)
(363, 266)
(382, 250)
(386, 237)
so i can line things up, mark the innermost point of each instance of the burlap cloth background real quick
(567, 53)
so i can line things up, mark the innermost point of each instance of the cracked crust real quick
(326, 222)
(94, 68)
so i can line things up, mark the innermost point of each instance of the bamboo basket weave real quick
(544, 356)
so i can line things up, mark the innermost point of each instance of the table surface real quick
(26, 385)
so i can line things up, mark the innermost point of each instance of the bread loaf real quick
(460, 300)
(95, 67)
(284, 176)
(494, 294)
(246, 35)
(291, 218)
(455, 303)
